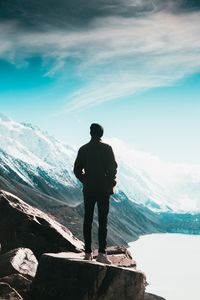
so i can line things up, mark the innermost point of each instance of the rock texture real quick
(8, 293)
(18, 282)
(21, 260)
(120, 256)
(21, 225)
(60, 277)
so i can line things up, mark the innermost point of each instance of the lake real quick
(171, 263)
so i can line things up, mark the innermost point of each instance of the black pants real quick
(102, 200)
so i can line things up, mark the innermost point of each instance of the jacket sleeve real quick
(111, 166)
(79, 166)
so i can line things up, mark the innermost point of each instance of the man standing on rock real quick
(96, 168)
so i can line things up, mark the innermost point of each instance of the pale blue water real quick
(171, 263)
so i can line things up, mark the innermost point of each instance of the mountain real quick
(29, 153)
(38, 168)
(159, 185)
(26, 149)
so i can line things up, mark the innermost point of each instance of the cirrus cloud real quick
(115, 56)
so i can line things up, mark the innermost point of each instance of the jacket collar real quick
(95, 140)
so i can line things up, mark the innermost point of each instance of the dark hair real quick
(96, 130)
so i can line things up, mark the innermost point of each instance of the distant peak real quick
(30, 125)
(4, 118)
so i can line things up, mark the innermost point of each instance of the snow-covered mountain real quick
(157, 184)
(27, 152)
(26, 149)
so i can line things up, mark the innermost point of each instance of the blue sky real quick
(133, 66)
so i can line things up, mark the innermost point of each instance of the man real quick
(96, 168)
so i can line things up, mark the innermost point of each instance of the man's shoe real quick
(102, 258)
(88, 256)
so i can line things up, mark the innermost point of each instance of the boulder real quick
(6, 292)
(22, 225)
(117, 254)
(120, 256)
(60, 277)
(21, 260)
(18, 282)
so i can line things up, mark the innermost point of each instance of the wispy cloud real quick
(115, 56)
(131, 55)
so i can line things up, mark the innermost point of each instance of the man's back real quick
(96, 167)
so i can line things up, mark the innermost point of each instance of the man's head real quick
(96, 130)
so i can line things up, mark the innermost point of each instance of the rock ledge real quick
(61, 277)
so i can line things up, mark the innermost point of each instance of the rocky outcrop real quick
(120, 256)
(61, 277)
(14, 285)
(19, 283)
(21, 260)
(21, 225)
(6, 292)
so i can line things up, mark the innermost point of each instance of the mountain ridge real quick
(30, 150)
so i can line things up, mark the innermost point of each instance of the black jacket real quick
(95, 167)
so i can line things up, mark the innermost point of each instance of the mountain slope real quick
(127, 220)
(29, 153)
(159, 185)
(38, 168)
